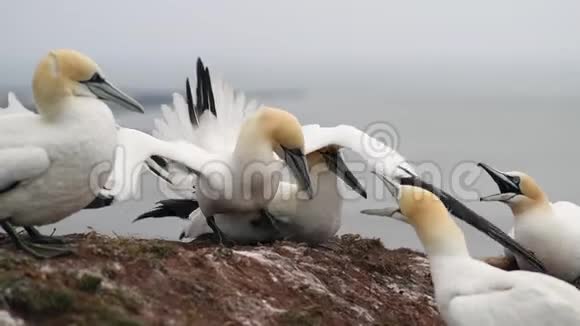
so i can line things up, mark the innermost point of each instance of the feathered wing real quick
(135, 147)
(20, 164)
(180, 208)
(14, 106)
(529, 305)
(380, 157)
(210, 119)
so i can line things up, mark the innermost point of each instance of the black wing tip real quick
(159, 160)
(199, 64)
(100, 202)
(190, 105)
(154, 213)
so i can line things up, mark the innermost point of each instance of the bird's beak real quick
(106, 91)
(337, 165)
(405, 170)
(296, 161)
(507, 187)
(392, 212)
(393, 187)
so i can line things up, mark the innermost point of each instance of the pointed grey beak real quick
(391, 185)
(508, 185)
(105, 91)
(337, 165)
(387, 211)
(392, 212)
(296, 161)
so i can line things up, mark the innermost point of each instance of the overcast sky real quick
(153, 43)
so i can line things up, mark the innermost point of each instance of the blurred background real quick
(495, 81)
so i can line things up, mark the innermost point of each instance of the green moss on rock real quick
(32, 298)
(89, 283)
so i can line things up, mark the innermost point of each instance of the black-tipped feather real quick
(190, 105)
(161, 164)
(209, 92)
(462, 212)
(171, 208)
(100, 201)
(204, 99)
(10, 187)
(159, 160)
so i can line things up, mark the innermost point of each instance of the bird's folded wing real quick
(523, 305)
(14, 106)
(20, 164)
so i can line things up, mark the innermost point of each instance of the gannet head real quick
(517, 189)
(426, 213)
(331, 157)
(284, 131)
(68, 73)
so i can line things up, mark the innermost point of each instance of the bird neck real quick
(442, 237)
(529, 207)
(253, 143)
(74, 109)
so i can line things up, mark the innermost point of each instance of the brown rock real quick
(351, 281)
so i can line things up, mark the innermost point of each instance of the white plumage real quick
(51, 161)
(469, 292)
(550, 230)
(313, 220)
(213, 143)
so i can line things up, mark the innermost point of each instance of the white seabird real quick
(47, 159)
(288, 215)
(223, 154)
(297, 218)
(469, 292)
(550, 230)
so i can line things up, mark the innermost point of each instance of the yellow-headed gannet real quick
(298, 218)
(227, 145)
(470, 292)
(288, 215)
(550, 230)
(47, 159)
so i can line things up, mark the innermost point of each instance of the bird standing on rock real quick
(47, 160)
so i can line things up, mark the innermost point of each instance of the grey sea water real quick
(535, 134)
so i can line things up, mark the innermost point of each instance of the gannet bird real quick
(550, 230)
(47, 159)
(467, 215)
(230, 158)
(470, 292)
(289, 216)
(312, 220)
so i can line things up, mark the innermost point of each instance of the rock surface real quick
(125, 281)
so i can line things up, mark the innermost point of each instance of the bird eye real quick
(96, 78)
(516, 180)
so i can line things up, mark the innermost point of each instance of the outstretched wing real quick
(135, 148)
(380, 157)
(211, 120)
